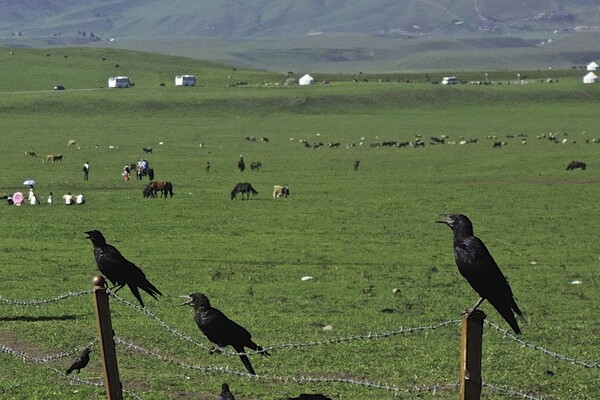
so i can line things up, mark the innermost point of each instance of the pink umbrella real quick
(18, 198)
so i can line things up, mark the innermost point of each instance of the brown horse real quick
(164, 187)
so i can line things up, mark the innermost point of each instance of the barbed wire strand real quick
(511, 392)
(573, 360)
(367, 336)
(504, 332)
(297, 379)
(44, 302)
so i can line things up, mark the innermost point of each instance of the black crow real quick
(221, 330)
(81, 362)
(225, 393)
(118, 269)
(476, 264)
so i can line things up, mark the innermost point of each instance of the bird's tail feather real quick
(507, 313)
(137, 295)
(258, 349)
(150, 289)
(247, 364)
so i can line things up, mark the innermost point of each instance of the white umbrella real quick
(29, 182)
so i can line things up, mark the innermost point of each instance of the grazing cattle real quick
(147, 149)
(251, 139)
(576, 164)
(265, 139)
(30, 153)
(255, 166)
(57, 157)
(243, 188)
(280, 191)
(72, 143)
(49, 157)
(497, 145)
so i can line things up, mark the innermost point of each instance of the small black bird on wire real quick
(476, 264)
(225, 393)
(118, 269)
(221, 330)
(81, 362)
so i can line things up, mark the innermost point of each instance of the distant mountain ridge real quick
(323, 35)
(275, 19)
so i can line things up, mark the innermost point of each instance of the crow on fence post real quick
(476, 264)
(118, 269)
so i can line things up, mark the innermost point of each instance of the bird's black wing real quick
(79, 363)
(121, 271)
(477, 265)
(223, 331)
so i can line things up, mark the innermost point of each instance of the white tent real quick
(306, 80)
(590, 78)
(592, 66)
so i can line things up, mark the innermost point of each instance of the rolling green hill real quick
(332, 36)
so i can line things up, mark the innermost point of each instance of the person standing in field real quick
(86, 171)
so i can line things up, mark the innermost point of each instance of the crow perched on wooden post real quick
(118, 269)
(476, 264)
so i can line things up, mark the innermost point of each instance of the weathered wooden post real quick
(470, 355)
(112, 383)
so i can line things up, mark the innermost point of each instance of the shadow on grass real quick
(39, 319)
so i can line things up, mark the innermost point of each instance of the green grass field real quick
(360, 235)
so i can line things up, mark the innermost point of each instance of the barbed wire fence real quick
(47, 360)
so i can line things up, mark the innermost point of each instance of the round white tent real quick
(592, 66)
(306, 80)
(590, 78)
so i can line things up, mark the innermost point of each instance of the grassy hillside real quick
(285, 18)
(342, 36)
(367, 238)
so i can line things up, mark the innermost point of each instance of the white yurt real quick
(590, 78)
(592, 66)
(306, 80)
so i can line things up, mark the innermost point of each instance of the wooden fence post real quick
(470, 355)
(112, 383)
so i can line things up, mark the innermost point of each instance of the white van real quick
(449, 80)
(185, 80)
(118, 82)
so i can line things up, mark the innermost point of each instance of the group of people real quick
(71, 200)
(17, 198)
(141, 168)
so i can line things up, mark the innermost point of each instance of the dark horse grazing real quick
(576, 164)
(164, 187)
(242, 188)
(255, 165)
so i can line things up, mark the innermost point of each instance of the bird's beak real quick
(88, 233)
(189, 300)
(445, 219)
